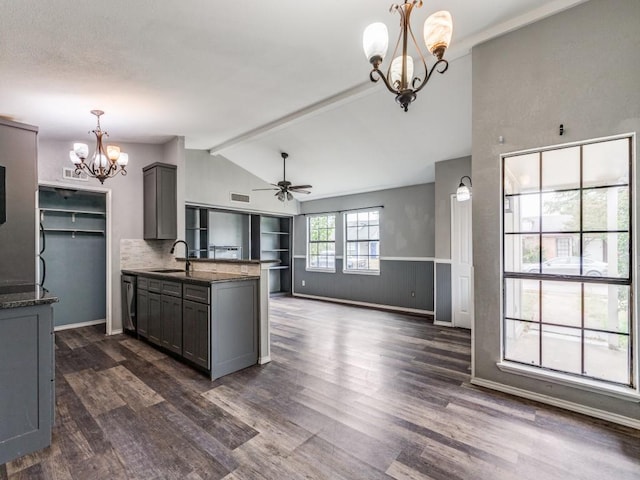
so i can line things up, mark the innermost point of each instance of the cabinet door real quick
(195, 332)
(155, 320)
(150, 206)
(143, 313)
(167, 203)
(171, 323)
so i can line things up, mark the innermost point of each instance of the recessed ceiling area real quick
(248, 80)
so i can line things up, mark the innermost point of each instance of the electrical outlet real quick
(303, 283)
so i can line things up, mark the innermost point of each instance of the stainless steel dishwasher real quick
(128, 290)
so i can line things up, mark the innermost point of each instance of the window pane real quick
(561, 169)
(374, 248)
(522, 253)
(522, 173)
(523, 214)
(363, 232)
(521, 299)
(522, 342)
(374, 217)
(561, 348)
(606, 307)
(313, 248)
(374, 263)
(606, 163)
(313, 261)
(606, 209)
(331, 221)
(352, 233)
(562, 303)
(374, 232)
(332, 235)
(561, 211)
(614, 247)
(606, 356)
(363, 217)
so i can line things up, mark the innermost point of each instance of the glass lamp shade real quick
(375, 41)
(113, 152)
(438, 29)
(395, 73)
(100, 161)
(74, 158)
(81, 150)
(463, 193)
(123, 159)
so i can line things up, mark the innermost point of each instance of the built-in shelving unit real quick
(271, 237)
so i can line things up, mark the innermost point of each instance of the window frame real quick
(347, 241)
(630, 390)
(310, 242)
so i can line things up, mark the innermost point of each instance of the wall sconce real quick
(463, 193)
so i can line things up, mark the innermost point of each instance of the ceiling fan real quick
(284, 187)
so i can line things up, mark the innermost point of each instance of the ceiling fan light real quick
(395, 74)
(289, 196)
(463, 193)
(375, 41)
(438, 29)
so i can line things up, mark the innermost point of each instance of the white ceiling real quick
(248, 80)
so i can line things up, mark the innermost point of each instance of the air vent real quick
(240, 197)
(70, 174)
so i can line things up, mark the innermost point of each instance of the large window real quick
(567, 261)
(362, 241)
(321, 242)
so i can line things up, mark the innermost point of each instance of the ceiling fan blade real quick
(302, 191)
(296, 187)
(259, 189)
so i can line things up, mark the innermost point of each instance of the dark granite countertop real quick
(226, 260)
(21, 295)
(202, 278)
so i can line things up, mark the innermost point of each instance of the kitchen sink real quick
(167, 270)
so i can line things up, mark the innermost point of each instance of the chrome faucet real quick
(186, 254)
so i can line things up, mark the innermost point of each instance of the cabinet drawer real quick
(196, 293)
(155, 285)
(172, 288)
(143, 283)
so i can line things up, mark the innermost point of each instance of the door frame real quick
(454, 289)
(108, 235)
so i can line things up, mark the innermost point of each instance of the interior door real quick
(461, 263)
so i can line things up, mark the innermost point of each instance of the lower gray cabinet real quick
(155, 319)
(26, 380)
(171, 320)
(142, 306)
(195, 333)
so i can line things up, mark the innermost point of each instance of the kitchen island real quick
(209, 320)
(26, 370)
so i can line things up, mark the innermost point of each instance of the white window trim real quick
(307, 268)
(344, 243)
(583, 383)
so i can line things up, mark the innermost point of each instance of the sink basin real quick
(167, 270)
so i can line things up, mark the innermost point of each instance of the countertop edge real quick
(183, 277)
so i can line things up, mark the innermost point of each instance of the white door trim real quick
(457, 318)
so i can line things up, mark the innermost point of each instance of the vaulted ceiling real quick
(248, 80)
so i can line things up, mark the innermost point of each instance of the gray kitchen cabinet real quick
(26, 380)
(155, 318)
(171, 319)
(160, 201)
(195, 332)
(142, 299)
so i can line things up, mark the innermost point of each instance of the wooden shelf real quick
(277, 250)
(275, 233)
(279, 267)
(74, 230)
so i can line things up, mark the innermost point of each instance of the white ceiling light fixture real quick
(399, 78)
(463, 193)
(105, 160)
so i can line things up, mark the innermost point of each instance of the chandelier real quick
(105, 160)
(399, 78)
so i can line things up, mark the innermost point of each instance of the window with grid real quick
(567, 261)
(362, 241)
(321, 242)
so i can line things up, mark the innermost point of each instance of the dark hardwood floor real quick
(350, 394)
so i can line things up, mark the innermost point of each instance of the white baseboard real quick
(78, 325)
(442, 324)
(557, 402)
(263, 360)
(364, 304)
(117, 332)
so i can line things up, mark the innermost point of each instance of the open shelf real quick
(77, 212)
(275, 233)
(74, 230)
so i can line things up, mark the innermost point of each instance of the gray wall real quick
(18, 151)
(126, 197)
(448, 175)
(209, 180)
(407, 225)
(580, 68)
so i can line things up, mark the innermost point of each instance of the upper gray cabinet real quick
(160, 202)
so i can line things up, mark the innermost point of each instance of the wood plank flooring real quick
(350, 394)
